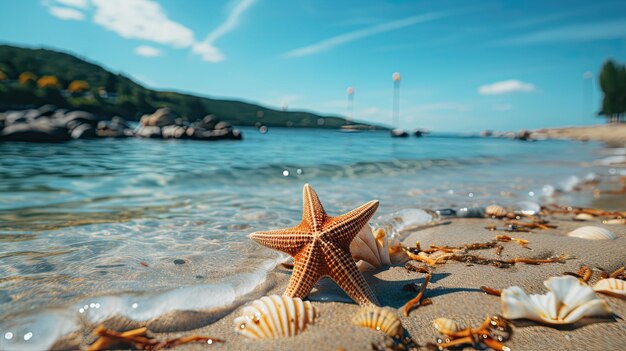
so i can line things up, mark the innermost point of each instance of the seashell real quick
(527, 207)
(592, 233)
(445, 326)
(495, 211)
(584, 217)
(275, 317)
(615, 221)
(374, 248)
(611, 286)
(382, 319)
(567, 302)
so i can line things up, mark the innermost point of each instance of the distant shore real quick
(610, 134)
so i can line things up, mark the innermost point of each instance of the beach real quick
(170, 250)
(613, 134)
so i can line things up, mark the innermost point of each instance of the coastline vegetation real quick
(613, 84)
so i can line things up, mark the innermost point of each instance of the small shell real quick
(592, 233)
(611, 286)
(567, 302)
(584, 217)
(445, 326)
(495, 211)
(616, 221)
(275, 317)
(381, 319)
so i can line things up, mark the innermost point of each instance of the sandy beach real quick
(610, 134)
(454, 290)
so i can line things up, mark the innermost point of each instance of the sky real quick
(465, 66)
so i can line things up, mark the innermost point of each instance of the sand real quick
(455, 294)
(612, 134)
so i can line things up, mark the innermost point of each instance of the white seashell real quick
(527, 207)
(275, 317)
(495, 211)
(445, 325)
(592, 233)
(374, 249)
(584, 217)
(567, 302)
(381, 319)
(616, 221)
(611, 286)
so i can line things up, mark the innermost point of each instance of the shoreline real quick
(613, 135)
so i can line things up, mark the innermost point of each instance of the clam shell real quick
(611, 286)
(381, 319)
(445, 325)
(592, 233)
(495, 211)
(584, 217)
(275, 317)
(567, 302)
(374, 248)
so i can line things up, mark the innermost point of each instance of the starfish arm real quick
(309, 267)
(313, 214)
(345, 273)
(342, 229)
(289, 240)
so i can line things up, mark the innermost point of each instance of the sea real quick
(140, 228)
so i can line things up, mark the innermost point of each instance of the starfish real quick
(320, 245)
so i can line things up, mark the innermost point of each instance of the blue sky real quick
(465, 65)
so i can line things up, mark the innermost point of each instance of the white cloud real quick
(206, 49)
(147, 51)
(66, 13)
(141, 19)
(81, 4)
(502, 107)
(362, 33)
(605, 30)
(506, 87)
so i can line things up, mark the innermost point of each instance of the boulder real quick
(83, 131)
(80, 116)
(148, 132)
(174, 132)
(34, 132)
(208, 122)
(160, 118)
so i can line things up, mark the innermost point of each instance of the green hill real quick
(99, 91)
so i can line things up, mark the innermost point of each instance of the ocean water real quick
(141, 228)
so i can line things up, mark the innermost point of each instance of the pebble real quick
(179, 261)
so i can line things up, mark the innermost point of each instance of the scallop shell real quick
(445, 325)
(381, 319)
(374, 248)
(592, 233)
(611, 286)
(567, 302)
(275, 317)
(584, 217)
(495, 211)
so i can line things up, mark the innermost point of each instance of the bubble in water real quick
(286, 173)
(299, 171)
(8, 335)
(531, 193)
(27, 336)
(135, 305)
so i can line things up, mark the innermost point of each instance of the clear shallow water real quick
(103, 222)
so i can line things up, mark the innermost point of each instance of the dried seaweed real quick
(491, 291)
(137, 339)
(416, 301)
(492, 333)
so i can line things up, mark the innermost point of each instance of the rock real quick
(222, 125)
(179, 261)
(115, 128)
(208, 122)
(148, 132)
(47, 110)
(83, 131)
(173, 132)
(160, 118)
(35, 132)
(13, 117)
(82, 117)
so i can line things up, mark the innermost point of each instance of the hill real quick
(34, 77)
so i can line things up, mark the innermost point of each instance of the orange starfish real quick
(320, 245)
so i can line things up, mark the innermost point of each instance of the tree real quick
(613, 84)
(48, 82)
(78, 86)
(3, 76)
(27, 78)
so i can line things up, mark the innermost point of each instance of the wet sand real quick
(454, 290)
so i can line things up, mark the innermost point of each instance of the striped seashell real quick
(611, 286)
(445, 325)
(592, 233)
(567, 302)
(373, 247)
(584, 217)
(381, 319)
(275, 317)
(495, 211)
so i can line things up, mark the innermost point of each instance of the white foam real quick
(47, 326)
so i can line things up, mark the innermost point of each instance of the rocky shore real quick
(49, 124)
